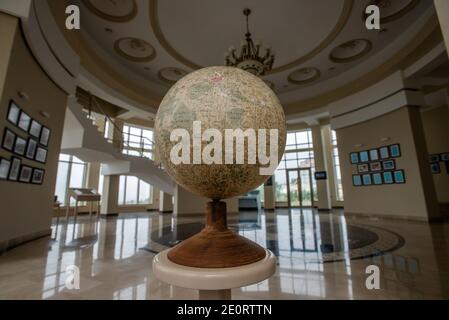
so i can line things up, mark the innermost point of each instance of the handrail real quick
(141, 149)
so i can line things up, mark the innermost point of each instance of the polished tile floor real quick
(320, 256)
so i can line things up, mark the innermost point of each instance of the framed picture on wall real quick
(354, 157)
(5, 166)
(25, 174)
(356, 180)
(38, 176)
(13, 113)
(375, 166)
(15, 169)
(45, 136)
(389, 165)
(395, 151)
(20, 146)
(9, 138)
(363, 168)
(434, 158)
(41, 155)
(399, 177)
(367, 181)
(377, 179)
(374, 155)
(444, 157)
(384, 153)
(24, 121)
(35, 129)
(388, 177)
(363, 156)
(435, 168)
(31, 149)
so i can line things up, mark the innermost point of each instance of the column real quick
(442, 9)
(324, 199)
(269, 202)
(109, 201)
(93, 175)
(165, 202)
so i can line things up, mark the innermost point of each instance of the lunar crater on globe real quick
(224, 99)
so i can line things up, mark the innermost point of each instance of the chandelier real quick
(250, 58)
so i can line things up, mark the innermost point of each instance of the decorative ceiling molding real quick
(171, 75)
(125, 47)
(384, 5)
(114, 18)
(350, 51)
(304, 76)
(344, 17)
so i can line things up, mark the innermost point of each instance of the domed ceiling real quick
(158, 42)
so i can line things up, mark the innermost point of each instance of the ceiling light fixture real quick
(250, 57)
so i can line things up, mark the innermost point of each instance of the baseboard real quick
(15, 242)
(394, 217)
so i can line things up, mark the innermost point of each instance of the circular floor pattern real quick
(362, 241)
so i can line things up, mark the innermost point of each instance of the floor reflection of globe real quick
(221, 98)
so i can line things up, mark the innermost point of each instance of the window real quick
(71, 174)
(137, 141)
(298, 154)
(337, 169)
(133, 191)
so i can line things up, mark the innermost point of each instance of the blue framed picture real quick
(388, 177)
(367, 181)
(444, 157)
(399, 177)
(364, 157)
(374, 155)
(389, 165)
(395, 151)
(434, 158)
(354, 157)
(356, 180)
(384, 153)
(435, 168)
(377, 179)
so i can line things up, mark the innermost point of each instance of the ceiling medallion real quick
(250, 58)
(116, 11)
(134, 49)
(304, 76)
(350, 51)
(171, 75)
(392, 10)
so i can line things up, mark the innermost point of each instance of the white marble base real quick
(213, 283)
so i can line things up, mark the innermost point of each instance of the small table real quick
(83, 195)
(213, 283)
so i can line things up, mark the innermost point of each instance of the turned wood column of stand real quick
(216, 246)
(216, 215)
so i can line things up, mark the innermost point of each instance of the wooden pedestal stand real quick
(216, 246)
(215, 260)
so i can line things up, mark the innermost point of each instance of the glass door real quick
(305, 178)
(293, 188)
(299, 188)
